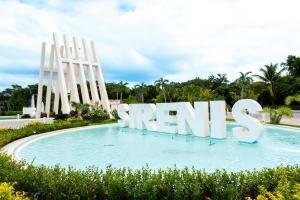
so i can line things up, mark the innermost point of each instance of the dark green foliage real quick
(10, 113)
(114, 113)
(60, 116)
(97, 114)
(26, 116)
(43, 114)
(275, 118)
(293, 65)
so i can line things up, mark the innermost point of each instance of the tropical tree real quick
(194, 93)
(293, 65)
(141, 89)
(122, 88)
(206, 94)
(244, 80)
(190, 92)
(161, 84)
(217, 81)
(270, 75)
(172, 91)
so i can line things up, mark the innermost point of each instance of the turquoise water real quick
(124, 147)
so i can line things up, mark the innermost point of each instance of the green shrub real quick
(97, 114)
(277, 114)
(9, 113)
(60, 183)
(60, 116)
(114, 113)
(296, 195)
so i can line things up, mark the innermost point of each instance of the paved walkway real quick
(295, 120)
(19, 123)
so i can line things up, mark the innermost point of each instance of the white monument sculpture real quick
(193, 120)
(67, 63)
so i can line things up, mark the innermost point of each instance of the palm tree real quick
(116, 89)
(270, 76)
(206, 94)
(222, 78)
(161, 84)
(122, 88)
(141, 90)
(243, 81)
(217, 81)
(190, 92)
(80, 107)
(290, 99)
(172, 91)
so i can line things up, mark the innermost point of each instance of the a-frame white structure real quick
(67, 63)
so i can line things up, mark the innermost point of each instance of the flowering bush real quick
(7, 192)
(59, 183)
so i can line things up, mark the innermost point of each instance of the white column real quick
(41, 81)
(84, 90)
(94, 91)
(61, 77)
(101, 83)
(71, 74)
(57, 95)
(49, 86)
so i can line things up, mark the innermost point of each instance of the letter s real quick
(122, 113)
(252, 128)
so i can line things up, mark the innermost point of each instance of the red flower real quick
(207, 198)
(93, 190)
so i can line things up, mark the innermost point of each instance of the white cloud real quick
(172, 38)
(6, 80)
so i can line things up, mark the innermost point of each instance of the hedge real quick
(10, 113)
(7, 136)
(59, 183)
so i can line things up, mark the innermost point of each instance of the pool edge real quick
(14, 147)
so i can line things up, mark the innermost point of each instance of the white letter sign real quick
(183, 118)
(252, 129)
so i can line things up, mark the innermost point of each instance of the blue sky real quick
(143, 40)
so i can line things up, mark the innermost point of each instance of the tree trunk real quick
(242, 92)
